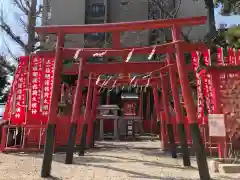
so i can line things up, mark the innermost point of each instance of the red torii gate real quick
(177, 46)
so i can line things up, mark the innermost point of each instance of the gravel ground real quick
(113, 161)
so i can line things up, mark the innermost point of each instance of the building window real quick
(96, 10)
(95, 36)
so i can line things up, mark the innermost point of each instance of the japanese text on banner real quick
(18, 92)
(47, 84)
(35, 82)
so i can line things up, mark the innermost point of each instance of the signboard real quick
(216, 124)
(129, 108)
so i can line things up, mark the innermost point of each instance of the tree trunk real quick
(210, 19)
(31, 26)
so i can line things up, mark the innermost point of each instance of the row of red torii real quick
(156, 76)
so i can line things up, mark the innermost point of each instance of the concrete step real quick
(229, 168)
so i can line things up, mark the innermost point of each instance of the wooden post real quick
(156, 101)
(93, 116)
(75, 112)
(140, 113)
(55, 94)
(86, 117)
(215, 88)
(115, 126)
(108, 97)
(3, 138)
(163, 131)
(89, 115)
(179, 115)
(157, 108)
(166, 105)
(101, 132)
(140, 104)
(148, 111)
(190, 107)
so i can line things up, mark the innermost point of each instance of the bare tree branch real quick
(21, 6)
(9, 51)
(29, 9)
(169, 14)
(7, 29)
(39, 10)
(31, 26)
(23, 24)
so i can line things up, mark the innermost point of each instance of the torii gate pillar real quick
(190, 107)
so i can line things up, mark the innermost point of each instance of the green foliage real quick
(5, 71)
(232, 36)
(228, 7)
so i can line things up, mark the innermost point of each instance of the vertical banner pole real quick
(92, 121)
(85, 127)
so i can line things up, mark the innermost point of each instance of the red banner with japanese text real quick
(200, 110)
(41, 72)
(47, 73)
(231, 56)
(220, 60)
(237, 56)
(207, 82)
(16, 104)
(35, 79)
(232, 61)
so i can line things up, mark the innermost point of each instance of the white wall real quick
(69, 12)
(136, 10)
(190, 8)
(72, 12)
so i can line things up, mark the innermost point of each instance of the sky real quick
(228, 20)
(11, 17)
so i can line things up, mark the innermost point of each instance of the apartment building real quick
(75, 12)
